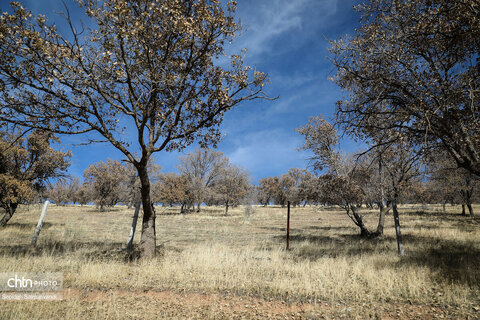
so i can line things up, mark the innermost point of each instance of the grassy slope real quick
(208, 261)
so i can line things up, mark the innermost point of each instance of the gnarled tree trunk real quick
(358, 220)
(148, 238)
(9, 210)
(381, 219)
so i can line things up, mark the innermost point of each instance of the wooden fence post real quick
(40, 223)
(134, 226)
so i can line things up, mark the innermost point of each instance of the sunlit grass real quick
(241, 255)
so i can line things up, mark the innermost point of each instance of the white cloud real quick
(265, 22)
(268, 152)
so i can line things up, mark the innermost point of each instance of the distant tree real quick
(152, 65)
(261, 197)
(174, 189)
(250, 200)
(468, 184)
(202, 168)
(58, 192)
(232, 186)
(313, 191)
(26, 164)
(411, 72)
(73, 187)
(105, 180)
(64, 191)
(84, 194)
(450, 183)
(287, 191)
(341, 185)
(301, 178)
(268, 188)
(130, 187)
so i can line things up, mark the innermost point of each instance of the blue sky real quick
(287, 39)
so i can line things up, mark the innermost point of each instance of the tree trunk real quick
(9, 211)
(226, 208)
(383, 209)
(198, 206)
(397, 228)
(381, 219)
(463, 209)
(358, 220)
(470, 209)
(148, 238)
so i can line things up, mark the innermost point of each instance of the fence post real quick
(134, 226)
(40, 223)
(288, 225)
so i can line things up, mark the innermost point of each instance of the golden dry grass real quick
(330, 272)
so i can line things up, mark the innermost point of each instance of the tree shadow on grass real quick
(326, 228)
(445, 216)
(313, 247)
(454, 261)
(25, 226)
(88, 250)
(312, 228)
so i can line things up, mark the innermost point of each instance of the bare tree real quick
(174, 189)
(232, 186)
(298, 192)
(105, 180)
(84, 193)
(150, 66)
(268, 188)
(58, 192)
(202, 168)
(452, 183)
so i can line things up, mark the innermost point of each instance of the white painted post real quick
(40, 223)
(134, 226)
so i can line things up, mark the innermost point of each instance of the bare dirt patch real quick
(217, 306)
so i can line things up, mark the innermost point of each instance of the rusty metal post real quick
(288, 225)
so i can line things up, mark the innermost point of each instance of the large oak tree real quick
(412, 71)
(153, 68)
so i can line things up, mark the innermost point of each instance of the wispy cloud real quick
(267, 152)
(273, 19)
(266, 22)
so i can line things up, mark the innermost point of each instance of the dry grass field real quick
(213, 266)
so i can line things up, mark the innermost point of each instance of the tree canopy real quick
(26, 164)
(148, 65)
(412, 71)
